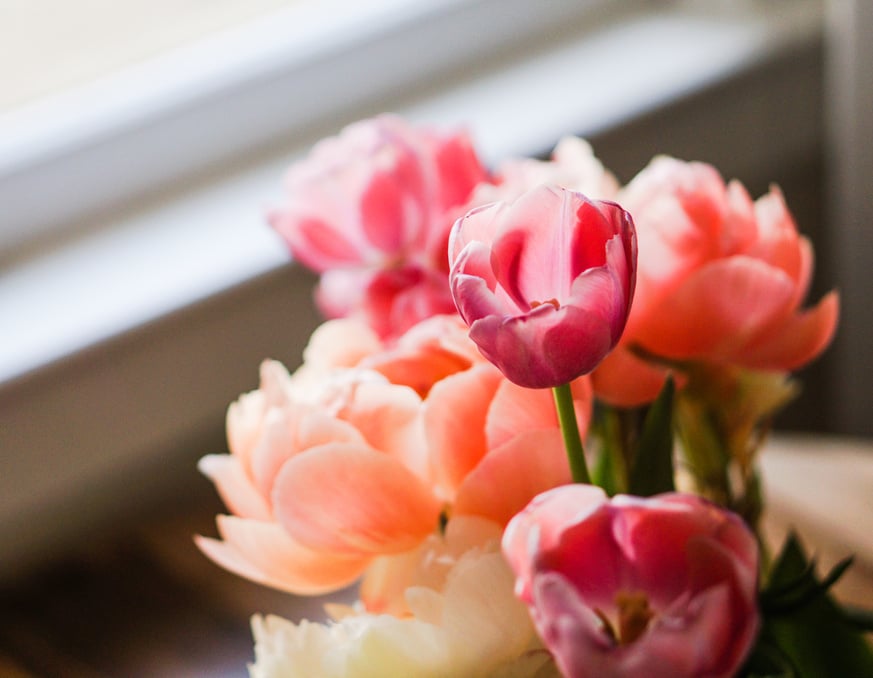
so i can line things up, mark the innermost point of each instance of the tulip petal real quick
(264, 553)
(570, 628)
(351, 499)
(653, 534)
(581, 561)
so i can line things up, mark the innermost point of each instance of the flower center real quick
(634, 615)
(553, 302)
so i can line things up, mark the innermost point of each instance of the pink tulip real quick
(371, 211)
(663, 587)
(544, 283)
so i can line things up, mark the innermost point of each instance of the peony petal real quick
(383, 214)
(288, 432)
(385, 582)
(624, 380)
(722, 306)
(354, 500)
(316, 243)
(510, 476)
(778, 242)
(341, 291)
(804, 336)
(454, 414)
(265, 553)
(234, 486)
(388, 417)
(329, 344)
(516, 409)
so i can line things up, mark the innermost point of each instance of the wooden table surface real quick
(145, 602)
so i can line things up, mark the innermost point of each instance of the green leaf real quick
(652, 469)
(802, 589)
(816, 638)
(609, 470)
(860, 618)
(768, 661)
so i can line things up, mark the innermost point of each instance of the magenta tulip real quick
(544, 283)
(662, 587)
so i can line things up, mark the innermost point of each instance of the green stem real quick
(570, 431)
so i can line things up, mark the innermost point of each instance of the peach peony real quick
(319, 485)
(358, 454)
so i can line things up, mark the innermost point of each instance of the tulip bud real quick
(544, 283)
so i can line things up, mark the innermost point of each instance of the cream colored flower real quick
(466, 623)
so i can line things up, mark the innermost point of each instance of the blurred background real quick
(141, 143)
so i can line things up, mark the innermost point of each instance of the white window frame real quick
(276, 78)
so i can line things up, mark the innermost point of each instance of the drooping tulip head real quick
(545, 283)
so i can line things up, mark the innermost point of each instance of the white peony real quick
(467, 623)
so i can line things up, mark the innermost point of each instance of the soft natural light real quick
(51, 45)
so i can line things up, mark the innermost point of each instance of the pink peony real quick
(720, 279)
(371, 211)
(544, 283)
(573, 166)
(663, 587)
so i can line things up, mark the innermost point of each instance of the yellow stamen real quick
(634, 615)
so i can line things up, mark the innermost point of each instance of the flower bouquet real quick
(527, 433)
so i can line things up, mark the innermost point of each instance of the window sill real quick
(127, 344)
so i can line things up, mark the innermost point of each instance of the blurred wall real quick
(849, 238)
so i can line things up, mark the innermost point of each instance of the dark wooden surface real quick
(138, 601)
